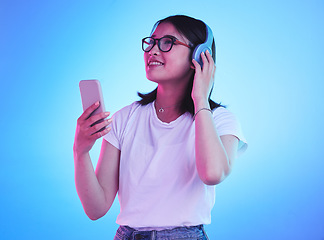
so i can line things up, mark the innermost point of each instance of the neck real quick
(168, 102)
(169, 97)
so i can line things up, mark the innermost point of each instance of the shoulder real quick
(129, 111)
(221, 114)
(226, 122)
(121, 120)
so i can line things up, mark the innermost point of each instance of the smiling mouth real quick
(155, 63)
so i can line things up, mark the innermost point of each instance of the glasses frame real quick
(173, 39)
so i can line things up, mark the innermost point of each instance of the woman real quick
(165, 153)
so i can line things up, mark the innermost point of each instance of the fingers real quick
(89, 129)
(96, 118)
(196, 65)
(96, 131)
(207, 59)
(99, 127)
(87, 121)
(85, 115)
(89, 126)
(101, 133)
(204, 59)
(208, 62)
(86, 137)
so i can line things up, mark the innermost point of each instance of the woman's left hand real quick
(203, 79)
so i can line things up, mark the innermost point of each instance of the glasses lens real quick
(147, 44)
(166, 44)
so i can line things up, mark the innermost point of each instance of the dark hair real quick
(195, 31)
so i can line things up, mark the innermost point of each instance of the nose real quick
(155, 50)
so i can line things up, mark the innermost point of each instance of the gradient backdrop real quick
(270, 63)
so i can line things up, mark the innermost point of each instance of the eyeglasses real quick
(165, 43)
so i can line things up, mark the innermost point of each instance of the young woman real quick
(165, 153)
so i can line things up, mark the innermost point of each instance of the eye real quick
(167, 41)
(147, 44)
(150, 41)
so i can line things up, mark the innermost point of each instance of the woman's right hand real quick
(86, 132)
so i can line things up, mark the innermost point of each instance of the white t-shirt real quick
(159, 186)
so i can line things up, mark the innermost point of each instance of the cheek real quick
(145, 57)
(183, 63)
(185, 58)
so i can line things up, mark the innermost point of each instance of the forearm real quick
(211, 158)
(88, 188)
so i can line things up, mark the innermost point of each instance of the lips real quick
(154, 62)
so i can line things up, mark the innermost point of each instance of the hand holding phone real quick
(92, 124)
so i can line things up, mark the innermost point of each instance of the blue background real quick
(270, 69)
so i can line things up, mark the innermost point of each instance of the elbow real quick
(215, 176)
(95, 214)
(94, 217)
(212, 180)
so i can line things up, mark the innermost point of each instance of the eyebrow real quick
(166, 36)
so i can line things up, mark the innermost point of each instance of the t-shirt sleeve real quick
(118, 125)
(112, 136)
(227, 124)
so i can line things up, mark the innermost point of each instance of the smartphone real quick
(90, 93)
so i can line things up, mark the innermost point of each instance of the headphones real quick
(207, 45)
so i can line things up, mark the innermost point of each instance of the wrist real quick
(79, 154)
(201, 103)
(201, 109)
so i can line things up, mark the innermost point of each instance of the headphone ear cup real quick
(207, 45)
(197, 53)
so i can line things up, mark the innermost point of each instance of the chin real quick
(152, 78)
